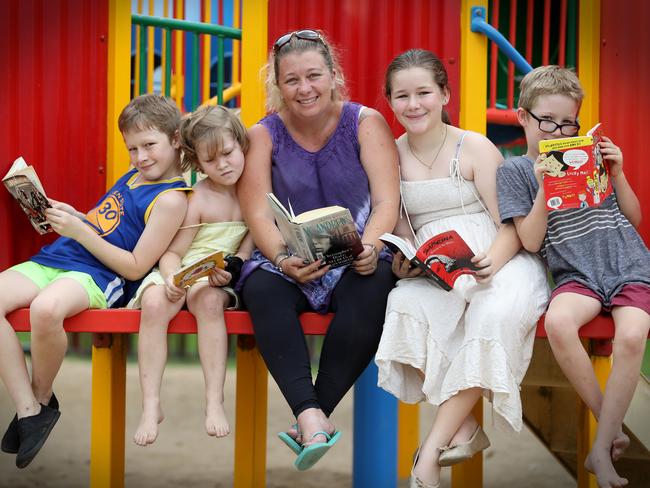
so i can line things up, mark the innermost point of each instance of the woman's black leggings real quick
(359, 305)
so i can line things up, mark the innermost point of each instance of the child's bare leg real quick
(451, 415)
(207, 304)
(60, 299)
(157, 311)
(632, 325)
(16, 291)
(566, 314)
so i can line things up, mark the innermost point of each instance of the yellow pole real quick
(136, 62)
(589, 74)
(473, 116)
(589, 61)
(408, 437)
(205, 60)
(254, 53)
(179, 73)
(118, 84)
(236, 22)
(163, 57)
(150, 51)
(108, 411)
(250, 416)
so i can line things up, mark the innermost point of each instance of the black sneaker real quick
(10, 441)
(33, 432)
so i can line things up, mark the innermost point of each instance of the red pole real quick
(511, 65)
(562, 51)
(494, 53)
(547, 24)
(530, 11)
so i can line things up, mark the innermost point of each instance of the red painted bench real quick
(122, 321)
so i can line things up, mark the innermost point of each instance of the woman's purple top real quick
(331, 176)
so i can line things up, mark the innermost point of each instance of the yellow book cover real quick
(187, 275)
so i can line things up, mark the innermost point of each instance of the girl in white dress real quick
(449, 348)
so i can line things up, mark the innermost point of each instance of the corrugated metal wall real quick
(53, 55)
(624, 97)
(370, 33)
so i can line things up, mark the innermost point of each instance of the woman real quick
(449, 348)
(316, 150)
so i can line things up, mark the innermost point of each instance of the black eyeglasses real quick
(549, 126)
(307, 35)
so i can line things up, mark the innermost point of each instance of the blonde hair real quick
(207, 125)
(549, 80)
(148, 112)
(274, 101)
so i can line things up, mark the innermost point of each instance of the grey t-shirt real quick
(596, 246)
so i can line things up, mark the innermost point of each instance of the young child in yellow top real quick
(120, 239)
(214, 142)
(595, 255)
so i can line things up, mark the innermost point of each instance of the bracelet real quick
(277, 260)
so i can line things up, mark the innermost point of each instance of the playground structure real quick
(356, 30)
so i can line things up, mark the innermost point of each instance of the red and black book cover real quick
(445, 257)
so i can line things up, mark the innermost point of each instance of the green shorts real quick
(44, 275)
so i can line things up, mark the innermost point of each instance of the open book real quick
(23, 184)
(326, 233)
(579, 176)
(443, 258)
(187, 275)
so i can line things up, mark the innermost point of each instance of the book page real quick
(24, 185)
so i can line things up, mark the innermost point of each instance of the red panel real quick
(52, 107)
(370, 33)
(624, 82)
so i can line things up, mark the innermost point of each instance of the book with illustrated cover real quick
(579, 176)
(326, 233)
(187, 275)
(443, 258)
(23, 184)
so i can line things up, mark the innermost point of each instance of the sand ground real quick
(185, 455)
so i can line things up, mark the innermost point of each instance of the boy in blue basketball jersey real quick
(87, 267)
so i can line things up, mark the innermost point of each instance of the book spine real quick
(430, 274)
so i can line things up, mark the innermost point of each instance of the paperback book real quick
(190, 273)
(578, 176)
(443, 257)
(327, 233)
(23, 184)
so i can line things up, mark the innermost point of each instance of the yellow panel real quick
(150, 50)
(235, 44)
(119, 77)
(589, 61)
(473, 71)
(254, 53)
(107, 415)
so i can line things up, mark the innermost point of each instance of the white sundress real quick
(477, 335)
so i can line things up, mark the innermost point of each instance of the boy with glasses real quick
(597, 260)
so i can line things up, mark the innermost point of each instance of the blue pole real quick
(480, 25)
(375, 433)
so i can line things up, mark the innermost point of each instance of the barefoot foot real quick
(599, 462)
(147, 430)
(620, 444)
(216, 423)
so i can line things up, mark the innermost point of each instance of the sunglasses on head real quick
(307, 35)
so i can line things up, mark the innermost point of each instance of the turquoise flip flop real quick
(310, 455)
(290, 442)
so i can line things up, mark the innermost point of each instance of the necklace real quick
(430, 165)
